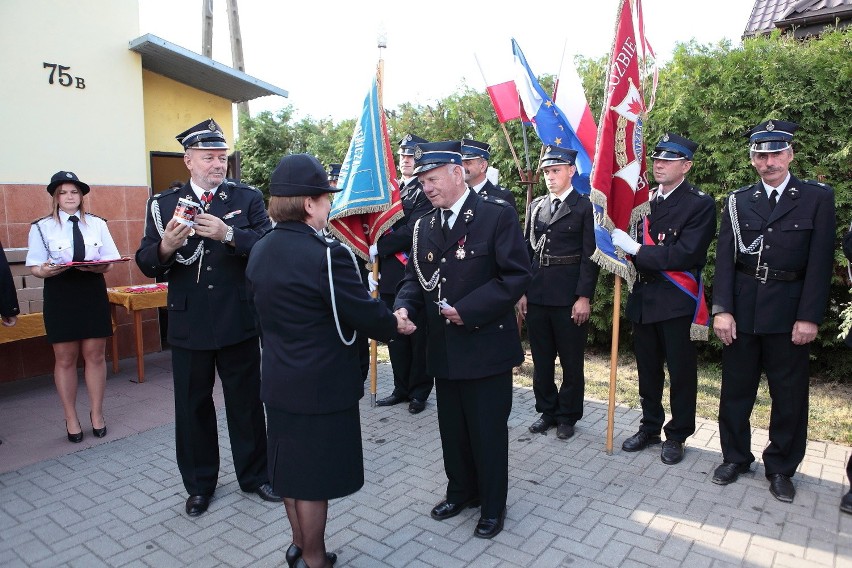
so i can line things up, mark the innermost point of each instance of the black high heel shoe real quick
(76, 438)
(294, 553)
(98, 432)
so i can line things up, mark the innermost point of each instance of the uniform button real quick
(443, 279)
(207, 251)
(500, 326)
(210, 286)
(443, 260)
(448, 322)
(769, 230)
(796, 225)
(209, 268)
(768, 247)
(548, 230)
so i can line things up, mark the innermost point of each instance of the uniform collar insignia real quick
(793, 192)
(756, 194)
(468, 215)
(223, 196)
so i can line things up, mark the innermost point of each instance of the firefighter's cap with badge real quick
(432, 155)
(205, 135)
(771, 136)
(554, 155)
(299, 175)
(473, 149)
(408, 143)
(674, 147)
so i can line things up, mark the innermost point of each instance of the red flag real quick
(619, 183)
(504, 98)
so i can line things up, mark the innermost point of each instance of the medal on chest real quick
(460, 252)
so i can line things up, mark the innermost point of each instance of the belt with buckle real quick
(647, 277)
(764, 273)
(548, 260)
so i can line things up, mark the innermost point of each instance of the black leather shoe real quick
(98, 432)
(489, 528)
(390, 400)
(416, 406)
(197, 504)
(542, 425)
(294, 553)
(446, 510)
(564, 431)
(267, 494)
(639, 441)
(846, 503)
(672, 452)
(729, 472)
(781, 487)
(76, 438)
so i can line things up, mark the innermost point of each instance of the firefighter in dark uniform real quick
(846, 501)
(407, 352)
(475, 156)
(334, 174)
(670, 254)
(211, 326)
(773, 270)
(560, 235)
(468, 268)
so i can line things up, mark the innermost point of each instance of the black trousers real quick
(472, 418)
(408, 359)
(786, 368)
(552, 332)
(196, 433)
(667, 342)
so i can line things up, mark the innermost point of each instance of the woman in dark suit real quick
(311, 306)
(76, 308)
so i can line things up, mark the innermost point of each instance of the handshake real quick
(404, 325)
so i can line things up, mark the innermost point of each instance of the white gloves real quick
(374, 252)
(372, 283)
(623, 241)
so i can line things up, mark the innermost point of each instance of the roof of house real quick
(189, 68)
(807, 17)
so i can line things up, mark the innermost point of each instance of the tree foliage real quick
(710, 93)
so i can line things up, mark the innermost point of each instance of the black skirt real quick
(76, 306)
(315, 457)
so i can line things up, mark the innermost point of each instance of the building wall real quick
(172, 107)
(94, 127)
(94, 131)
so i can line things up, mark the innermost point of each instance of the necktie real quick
(79, 244)
(660, 199)
(773, 199)
(206, 198)
(445, 226)
(555, 206)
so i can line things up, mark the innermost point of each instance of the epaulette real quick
(326, 240)
(818, 184)
(165, 192)
(495, 200)
(740, 190)
(695, 191)
(233, 184)
(98, 216)
(42, 219)
(537, 199)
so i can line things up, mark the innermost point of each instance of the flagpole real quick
(374, 346)
(613, 363)
(559, 74)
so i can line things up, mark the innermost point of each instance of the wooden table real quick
(27, 327)
(135, 299)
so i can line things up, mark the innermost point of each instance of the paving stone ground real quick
(570, 504)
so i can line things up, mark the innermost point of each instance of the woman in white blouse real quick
(76, 308)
